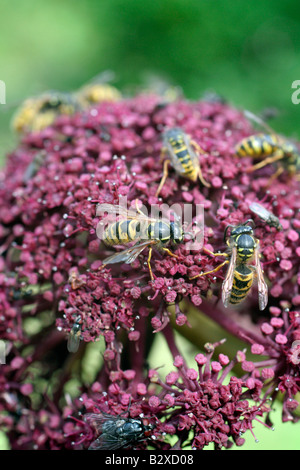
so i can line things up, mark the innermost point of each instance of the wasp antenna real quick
(249, 221)
(226, 230)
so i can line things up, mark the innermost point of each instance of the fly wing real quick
(262, 286)
(228, 281)
(129, 255)
(106, 425)
(96, 420)
(73, 342)
(106, 442)
(260, 210)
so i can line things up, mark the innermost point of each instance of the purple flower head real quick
(55, 284)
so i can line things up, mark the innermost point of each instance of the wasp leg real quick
(149, 265)
(163, 153)
(212, 271)
(200, 176)
(203, 181)
(170, 252)
(215, 254)
(266, 161)
(103, 266)
(274, 176)
(165, 176)
(197, 147)
(138, 209)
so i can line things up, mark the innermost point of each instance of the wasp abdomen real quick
(180, 144)
(242, 283)
(121, 232)
(259, 145)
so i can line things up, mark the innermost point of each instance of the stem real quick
(138, 350)
(219, 316)
(169, 336)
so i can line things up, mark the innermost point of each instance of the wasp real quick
(143, 231)
(97, 93)
(183, 155)
(74, 336)
(243, 249)
(97, 90)
(265, 215)
(270, 148)
(41, 111)
(117, 432)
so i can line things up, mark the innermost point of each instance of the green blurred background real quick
(247, 52)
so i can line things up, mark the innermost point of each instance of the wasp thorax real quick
(176, 232)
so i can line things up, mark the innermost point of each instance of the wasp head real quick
(241, 229)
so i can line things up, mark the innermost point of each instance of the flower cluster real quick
(52, 275)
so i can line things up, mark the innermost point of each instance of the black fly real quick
(117, 432)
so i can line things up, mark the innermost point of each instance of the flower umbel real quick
(53, 282)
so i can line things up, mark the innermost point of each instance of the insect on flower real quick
(144, 231)
(265, 215)
(117, 432)
(39, 112)
(75, 279)
(271, 148)
(74, 336)
(239, 278)
(183, 156)
(97, 90)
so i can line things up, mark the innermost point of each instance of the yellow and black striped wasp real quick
(243, 249)
(183, 156)
(39, 112)
(97, 90)
(137, 228)
(270, 148)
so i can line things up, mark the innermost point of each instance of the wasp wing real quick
(262, 286)
(116, 210)
(123, 212)
(129, 255)
(103, 77)
(258, 120)
(228, 281)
